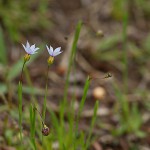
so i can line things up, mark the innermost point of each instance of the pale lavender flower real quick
(30, 49)
(52, 52)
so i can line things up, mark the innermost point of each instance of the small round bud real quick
(50, 60)
(26, 57)
(45, 130)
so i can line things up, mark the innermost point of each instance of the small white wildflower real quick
(55, 52)
(30, 49)
(52, 54)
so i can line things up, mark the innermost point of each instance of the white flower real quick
(30, 49)
(52, 52)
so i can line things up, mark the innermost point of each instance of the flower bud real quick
(45, 130)
(50, 60)
(26, 57)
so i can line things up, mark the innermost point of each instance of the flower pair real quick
(32, 50)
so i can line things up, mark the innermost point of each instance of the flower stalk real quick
(45, 129)
(29, 51)
(45, 97)
(50, 61)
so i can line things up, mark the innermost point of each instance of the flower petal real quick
(36, 49)
(34, 52)
(47, 47)
(25, 48)
(50, 50)
(57, 50)
(27, 45)
(57, 53)
(32, 47)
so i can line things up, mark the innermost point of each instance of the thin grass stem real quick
(71, 59)
(92, 125)
(32, 126)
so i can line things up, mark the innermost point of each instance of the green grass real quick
(125, 53)
(71, 59)
(72, 56)
(3, 53)
(32, 126)
(130, 119)
(82, 103)
(74, 139)
(88, 141)
(20, 111)
(127, 113)
(24, 17)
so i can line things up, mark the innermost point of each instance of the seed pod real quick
(45, 130)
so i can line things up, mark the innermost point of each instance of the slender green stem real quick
(125, 58)
(45, 97)
(40, 115)
(21, 76)
(20, 103)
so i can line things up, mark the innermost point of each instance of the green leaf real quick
(87, 144)
(71, 59)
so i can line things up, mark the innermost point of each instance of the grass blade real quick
(73, 53)
(20, 109)
(86, 87)
(92, 125)
(3, 53)
(63, 103)
(32, 126)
